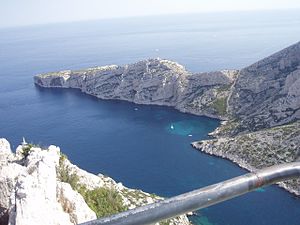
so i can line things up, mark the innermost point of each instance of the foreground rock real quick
(153, 81)
(42, 187)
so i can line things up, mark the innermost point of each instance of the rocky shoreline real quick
(242, 164)
(259, 149)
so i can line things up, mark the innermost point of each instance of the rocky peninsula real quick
(41, 186)
(260, 103)
(153, 81)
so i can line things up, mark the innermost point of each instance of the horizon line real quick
(148, 16)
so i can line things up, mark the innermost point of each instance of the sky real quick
(31, 12)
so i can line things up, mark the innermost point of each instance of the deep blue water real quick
(135, 144)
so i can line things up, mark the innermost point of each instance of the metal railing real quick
(201, 198)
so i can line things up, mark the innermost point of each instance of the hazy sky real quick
(27, 12)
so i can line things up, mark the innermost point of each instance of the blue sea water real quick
(144, 147)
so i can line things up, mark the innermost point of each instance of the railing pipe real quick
(201, 198)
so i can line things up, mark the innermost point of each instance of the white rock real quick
(4, 146)
(8, 174)
(119, 186)
(73, 203)
(19, 152)
(37, 197)
(91, 181)
(34, 199)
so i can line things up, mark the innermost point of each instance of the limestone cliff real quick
(267, 93)
(264, 105)
(153, 81)
(41, 186)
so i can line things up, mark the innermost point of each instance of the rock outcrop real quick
(28, 188)
(267, 93)
(264, 104)
(153, 81)
(6, 179)
(37, 187)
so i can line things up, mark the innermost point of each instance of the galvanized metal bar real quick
(201, 198)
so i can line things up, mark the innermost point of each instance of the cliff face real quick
(29, 189)
(267, 93)
(264, 105)
(153, 81)
(41, 186)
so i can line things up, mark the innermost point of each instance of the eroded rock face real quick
(7, 179)
(73, 203)
(4, 146)
(153, 81)
(31, 191)
(8, 175)
(267, 93)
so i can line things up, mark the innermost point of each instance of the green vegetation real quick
(152, 195)
(166, 222)
(26, 149)
(103, 201)
(65, 175)
(220, 105)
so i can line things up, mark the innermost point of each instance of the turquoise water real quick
(184, 127)
(144, 147)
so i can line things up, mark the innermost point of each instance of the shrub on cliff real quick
(220, 105)
(27, 148)
(65, 175)
(103, 201)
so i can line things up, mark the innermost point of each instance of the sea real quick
(144, 147)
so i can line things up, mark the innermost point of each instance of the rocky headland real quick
(260, 103)
(41, 186)
(153, 81)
